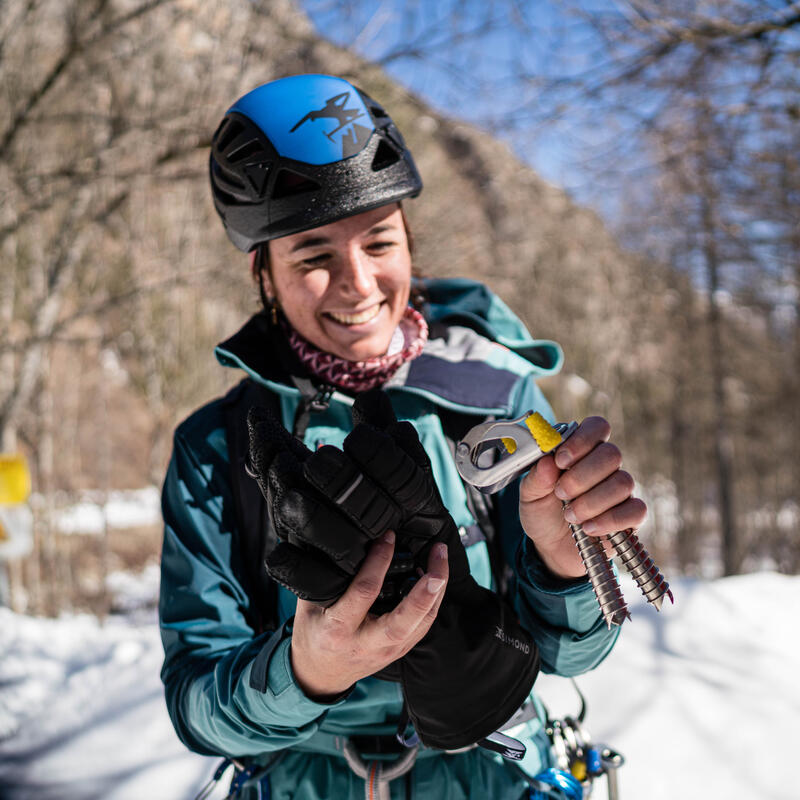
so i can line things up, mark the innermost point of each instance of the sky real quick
(465, 39)
(508, 66)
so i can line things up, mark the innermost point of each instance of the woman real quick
(308, 174)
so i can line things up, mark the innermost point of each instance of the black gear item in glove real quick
(477, 664)
(325, 512)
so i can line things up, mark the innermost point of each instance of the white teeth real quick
(356, 319)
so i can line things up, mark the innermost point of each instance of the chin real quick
(363, 351)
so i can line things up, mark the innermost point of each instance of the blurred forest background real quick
(662, 251)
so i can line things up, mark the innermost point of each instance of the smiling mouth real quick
(355, 319)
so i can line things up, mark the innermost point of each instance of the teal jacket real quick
(479, 358)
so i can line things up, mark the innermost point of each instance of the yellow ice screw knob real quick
(579, 771)
(547, 437)
(15, 480)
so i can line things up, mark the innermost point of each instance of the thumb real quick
(540, 481)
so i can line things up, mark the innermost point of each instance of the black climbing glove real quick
(323, 510)
(476, 665)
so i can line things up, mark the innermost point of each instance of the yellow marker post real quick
(15, 479)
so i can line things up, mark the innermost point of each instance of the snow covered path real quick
(703, 700)
(82, 714)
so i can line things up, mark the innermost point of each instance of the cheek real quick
(302, 292)
(398, 280)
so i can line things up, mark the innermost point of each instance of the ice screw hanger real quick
(495, 453)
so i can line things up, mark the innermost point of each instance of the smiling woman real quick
(344, 288)
(335, 623)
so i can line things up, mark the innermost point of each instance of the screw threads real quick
(638, 562)
(601, 575)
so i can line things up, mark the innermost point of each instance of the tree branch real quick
(74, 48)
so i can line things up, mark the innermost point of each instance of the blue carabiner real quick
(566, 786)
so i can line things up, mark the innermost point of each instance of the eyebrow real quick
(311, 241)
(318, 241)
(381, 229)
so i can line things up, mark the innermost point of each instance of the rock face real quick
(111, 158)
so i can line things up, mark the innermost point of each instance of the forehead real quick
(347, 228)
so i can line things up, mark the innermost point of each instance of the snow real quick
(121, 508)
(701, 699)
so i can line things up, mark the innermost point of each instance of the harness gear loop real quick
(378, 774)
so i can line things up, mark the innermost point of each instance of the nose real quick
(357, 276)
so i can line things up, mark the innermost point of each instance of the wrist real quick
(314, 688)
(562, 561)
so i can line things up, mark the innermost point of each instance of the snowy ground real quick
(703, 700)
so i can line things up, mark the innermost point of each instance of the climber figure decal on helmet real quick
(292, 113)
(335, 108)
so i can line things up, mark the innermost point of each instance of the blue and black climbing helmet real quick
(305, 151)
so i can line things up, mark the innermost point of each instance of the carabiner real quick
(494, 453)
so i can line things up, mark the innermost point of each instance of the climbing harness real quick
(378, 774)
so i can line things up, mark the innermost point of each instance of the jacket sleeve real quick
(228, 691)
(562, 615)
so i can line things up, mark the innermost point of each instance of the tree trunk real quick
(723, 443)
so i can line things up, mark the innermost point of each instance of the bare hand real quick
(585, 472)
(334, 647)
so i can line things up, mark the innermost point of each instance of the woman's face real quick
(344, 287)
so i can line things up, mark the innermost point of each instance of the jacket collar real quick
(477, 353)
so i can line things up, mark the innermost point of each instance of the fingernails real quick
(560, 493)
(569, 515)
(589, 527)
(435, 585)
(563, 459)
(388, 537)
(440, 551)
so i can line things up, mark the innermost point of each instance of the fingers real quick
(589, 434)
(410, 621)
(306, 574)
(353, 605)
(597, 491)
(268, 437)
(602, 462)
(630, 513)
(357, 495)
(546, 475)
(540, 482)
(380, 457)
(373, 408)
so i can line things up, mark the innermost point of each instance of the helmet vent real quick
(245, 151)
(257, 174)
(226, 176)
(289, 183)
(227, 133)
(385, 156)
(378, 112)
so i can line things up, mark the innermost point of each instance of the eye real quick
(381, 246)
(315, 261)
